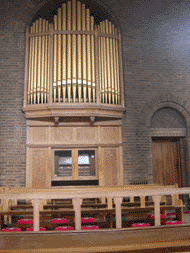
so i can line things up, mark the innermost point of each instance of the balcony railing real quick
(117, 194)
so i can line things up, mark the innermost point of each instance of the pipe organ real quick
(73, 60)
(73, 100)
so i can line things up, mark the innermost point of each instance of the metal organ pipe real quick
(74, 58)
(64, 53)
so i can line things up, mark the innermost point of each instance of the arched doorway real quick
(168, 130)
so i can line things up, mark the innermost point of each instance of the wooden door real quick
(166, 164)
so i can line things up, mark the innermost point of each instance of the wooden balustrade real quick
(38, 196)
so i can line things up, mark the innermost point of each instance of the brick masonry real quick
(156, 75)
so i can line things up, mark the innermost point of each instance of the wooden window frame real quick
(75, 170)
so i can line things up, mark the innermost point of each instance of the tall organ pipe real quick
(108, 63)
(105, 63)
(46, 76)
(55, 61)
(35, 62)
(111, 64)
(84, 80)
(43, 62)
(69, 51)
(39, 61)
(64, 52)
(88, 54)
(59, 56)
(30, 69)
(74, 50)
(93, 61)
(79, 56)
(48, 64)
(117, 68)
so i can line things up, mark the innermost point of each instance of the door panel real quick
(165, 161)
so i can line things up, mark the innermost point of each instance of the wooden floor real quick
(127, 240)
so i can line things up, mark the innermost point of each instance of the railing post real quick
(157, 200)
(36, 214)
(77, 207)
(118, 202)
(109, 203)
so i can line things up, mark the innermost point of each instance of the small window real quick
(63, 163)
(86, 163)
(75, 164)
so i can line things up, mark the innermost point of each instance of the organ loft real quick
(73, 100)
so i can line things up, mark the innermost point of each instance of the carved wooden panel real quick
(109, 135)
(86, 134)
(110, 166)
(62, 134)
(40, 162)
(39, 135)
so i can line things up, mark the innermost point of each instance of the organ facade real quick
(73, 100)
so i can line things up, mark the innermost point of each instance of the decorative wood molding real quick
(168, 132)
(74, 110)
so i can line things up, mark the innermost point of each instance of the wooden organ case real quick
(73, 100)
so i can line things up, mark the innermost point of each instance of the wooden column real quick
(118, 219)
(36, 216)
(77, 207)
(157, 200)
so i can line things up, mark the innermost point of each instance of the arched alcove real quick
(169, 147)
(98, 9)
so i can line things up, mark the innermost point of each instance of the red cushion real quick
(175, 222)
(89, 227)
(25, 221)
(32, 229)
(11, 229)
(59, 220)
(88, 219)
(64, 228)
(140, 225)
